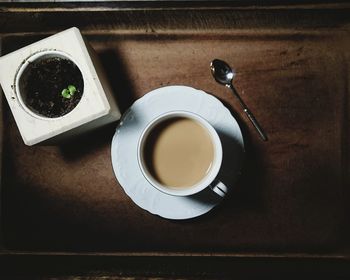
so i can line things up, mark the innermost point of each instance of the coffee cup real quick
(180, 154)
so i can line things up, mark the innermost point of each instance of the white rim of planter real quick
(24, 65)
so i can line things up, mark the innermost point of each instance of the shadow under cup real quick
(179, 153)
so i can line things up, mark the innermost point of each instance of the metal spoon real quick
(224, 75)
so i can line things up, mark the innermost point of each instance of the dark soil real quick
(43, 82)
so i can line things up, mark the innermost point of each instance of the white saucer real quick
(124, 150)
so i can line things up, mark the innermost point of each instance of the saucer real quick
(128, 132)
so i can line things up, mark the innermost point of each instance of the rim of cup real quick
(208, 178)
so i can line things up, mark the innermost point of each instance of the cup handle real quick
(219, 188)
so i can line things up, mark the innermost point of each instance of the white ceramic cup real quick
(210, 180)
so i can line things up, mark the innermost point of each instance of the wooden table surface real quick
(62, 204)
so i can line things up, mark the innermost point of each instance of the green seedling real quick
(65, 93)
(69, 91)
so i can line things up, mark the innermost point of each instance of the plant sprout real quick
(69, 91)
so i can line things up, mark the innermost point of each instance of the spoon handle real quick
(249, 113)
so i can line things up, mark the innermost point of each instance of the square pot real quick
(96, 107)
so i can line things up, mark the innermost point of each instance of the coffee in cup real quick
(180, 153)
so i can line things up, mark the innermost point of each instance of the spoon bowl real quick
(222, 72)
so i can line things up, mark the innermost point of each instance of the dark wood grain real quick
(292, 199)
(150, 16)
(289, 193)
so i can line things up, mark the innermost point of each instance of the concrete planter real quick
(96, 107)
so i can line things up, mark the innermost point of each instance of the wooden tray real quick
(291, 204)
